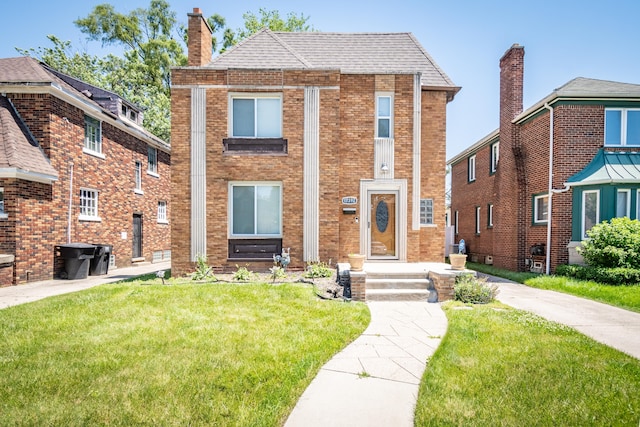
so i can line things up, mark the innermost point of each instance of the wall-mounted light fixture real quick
(384, 167)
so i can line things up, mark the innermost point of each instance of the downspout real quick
(550, 193)
(70, 203)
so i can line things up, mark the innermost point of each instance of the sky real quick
(563, 39)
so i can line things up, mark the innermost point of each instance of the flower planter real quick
(457, 261)
(356, 261)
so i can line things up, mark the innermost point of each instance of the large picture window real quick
(256, 209)
(590, 210)
(622, 126)
(256, 116)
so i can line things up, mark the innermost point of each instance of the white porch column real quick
(311, 225)
(198, 172)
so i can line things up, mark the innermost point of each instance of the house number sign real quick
(349, 200)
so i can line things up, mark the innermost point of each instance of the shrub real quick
(243, 274)
(614, 243)
(203, 271)
(470, 289)
(609, 276)
(318, 270)
(277, 272)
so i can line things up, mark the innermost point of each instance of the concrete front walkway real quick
(609, 325)
(374, 381)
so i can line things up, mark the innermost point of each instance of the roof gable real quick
(351, 53)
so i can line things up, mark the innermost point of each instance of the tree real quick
(152, 41)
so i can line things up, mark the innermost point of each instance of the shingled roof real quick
(20, 154)
(351, 53)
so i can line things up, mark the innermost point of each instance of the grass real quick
(140, 353)
(624, 296)
(501, 366)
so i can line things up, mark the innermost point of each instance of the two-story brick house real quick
(76, 165)
(526, 194)
(324, 143)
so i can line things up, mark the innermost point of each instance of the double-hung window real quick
(138, 177)
(3, 213)
(384, 116)
(152, 156)
(92, 135)
(426, 211)
(162, 212)
(622, 126)
(590, 210)
(255, 209)
(541, 209)
(623, 203)
(495, 156)
(471, 168)
(256, 116)
(89, 205)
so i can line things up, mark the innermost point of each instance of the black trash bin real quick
(77, 257)
(100, 263)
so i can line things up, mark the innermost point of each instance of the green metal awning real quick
(609, 167)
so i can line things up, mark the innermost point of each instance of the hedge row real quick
(609, 276)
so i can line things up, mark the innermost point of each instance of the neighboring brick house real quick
(324, 143)
(502, 197)
(76, 165)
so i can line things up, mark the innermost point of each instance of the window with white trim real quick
(89, 204)
(490, 215)
(426, 211)
(384, 116)
(152, 156)
(623, 203)
(138, 176)
(590, 210)
(92, 135)
(255, 209)
(541, 209)
(471, 168)
(622, 126)
(477, 219)
(256, 115)
(162, 211)
(495, 156)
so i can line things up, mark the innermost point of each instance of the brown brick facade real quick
(38, 213)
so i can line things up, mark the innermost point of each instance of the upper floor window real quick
(426, 211)
(89, 204)
(153, 160)
(540, 209)
(255, 209)
(621, 126)
(472, 168)
(92, 135)
(495, 156)
(3, 213)
(384, 116)
(162, 212)
(256, 116)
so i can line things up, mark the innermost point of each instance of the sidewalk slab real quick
(375, 380)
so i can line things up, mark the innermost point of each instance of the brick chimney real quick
(511, 80)
(199, 39)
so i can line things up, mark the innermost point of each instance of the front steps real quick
(399, 286)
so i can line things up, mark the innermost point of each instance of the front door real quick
(137, 236)
(383, 227)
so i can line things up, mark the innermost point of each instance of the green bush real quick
(470, 289)
(203, 271)
(609, 276)
(614, 243)
(318, 270)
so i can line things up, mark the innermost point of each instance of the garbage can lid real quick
(77, 245)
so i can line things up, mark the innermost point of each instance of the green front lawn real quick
(501, 366)
(140, 353)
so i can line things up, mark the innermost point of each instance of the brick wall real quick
(38, 213)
